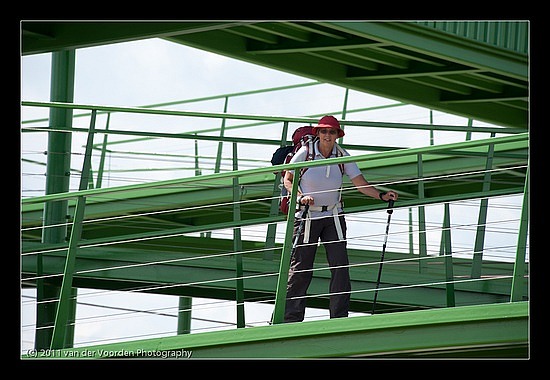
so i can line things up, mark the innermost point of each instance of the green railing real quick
(236, 177)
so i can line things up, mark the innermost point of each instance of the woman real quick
(320, 188)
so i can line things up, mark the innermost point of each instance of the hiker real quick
(320, 188)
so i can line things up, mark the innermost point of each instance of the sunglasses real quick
(328, 130)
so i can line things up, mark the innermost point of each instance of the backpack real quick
(301, 136)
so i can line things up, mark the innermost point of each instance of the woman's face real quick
(327, 135)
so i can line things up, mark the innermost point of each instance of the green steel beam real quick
(477, 329)
(430, 55)
(57, 181)
(447, 251)
(260, 220)
(42, 37)
(430, 67)
(249, 125)
(138, 204)
(245, 140)
(280, 296)
(274, 209)
(422, 245)
(184, 314)
(238, 245)
(101, 169)
(207, 98)
(185, 266)
(344, 114)
(411, 238)
(222, 139)
(198, 171)
(65, 297)
(269, 118)
(519, 282)
(482, 217)
(440, 45)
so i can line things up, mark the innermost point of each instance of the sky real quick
(156, 71)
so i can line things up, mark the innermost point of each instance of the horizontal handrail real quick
(433, 149)
(290, 119)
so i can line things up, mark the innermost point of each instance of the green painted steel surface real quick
(453, 67)
(409, 334)
(119, 248)
(57, 181)
(475, 69)
(399, 60)
(509, 35)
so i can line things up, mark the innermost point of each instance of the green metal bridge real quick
(183, 236)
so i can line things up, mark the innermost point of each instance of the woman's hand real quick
(390, 195)
(307, 200)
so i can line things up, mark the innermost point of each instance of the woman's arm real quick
(364, 187)
(287, 183)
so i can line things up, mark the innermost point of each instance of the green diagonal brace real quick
(63, 307)
(280, 297)
(274, 209)
(238, 245)
(518, 280)
(477, 260)
(422, 245)
(447, 251)
(103, 153)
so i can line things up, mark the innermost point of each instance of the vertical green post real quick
(432, 142)
(280, 295)
(411, 240)
(184, 314)
(469, 132)
(448, 259)
(518, 279)
(101, 168)
(477, 259)
(65, 297)
(344, 112)
(57, 181)
(422, 246)
(197, 168)
(238, 244)
(274, 210)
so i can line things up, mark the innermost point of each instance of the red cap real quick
(329, 122)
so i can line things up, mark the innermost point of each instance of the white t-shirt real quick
(323, 183)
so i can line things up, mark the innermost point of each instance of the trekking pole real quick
(300, 228)
(295, 242)
(389, 211)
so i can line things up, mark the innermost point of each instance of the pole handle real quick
(390, 206)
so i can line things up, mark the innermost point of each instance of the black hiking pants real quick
(301, 263)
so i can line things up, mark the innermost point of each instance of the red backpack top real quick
(301, 136)
(301, 133)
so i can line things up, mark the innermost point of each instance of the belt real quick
(334, 209)
(324, 208)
